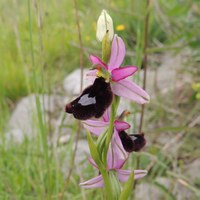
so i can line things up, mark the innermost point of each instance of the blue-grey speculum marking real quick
(85, 100)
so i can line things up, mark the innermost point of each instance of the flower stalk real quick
(109, 134)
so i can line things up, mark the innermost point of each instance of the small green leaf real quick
(128, 187)
(94, 152)
(101, 142)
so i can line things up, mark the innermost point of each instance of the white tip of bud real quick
(104, 24)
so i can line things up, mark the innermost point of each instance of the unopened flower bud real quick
(104, 24)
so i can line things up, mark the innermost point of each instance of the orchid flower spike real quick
(117, 76)
(104, 24)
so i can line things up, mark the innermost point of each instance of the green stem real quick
(114, 107)
(107, 185)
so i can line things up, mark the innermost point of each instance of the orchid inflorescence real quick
(97, 108)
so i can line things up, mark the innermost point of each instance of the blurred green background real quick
(39, 47)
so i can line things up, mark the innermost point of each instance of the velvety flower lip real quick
(133, 142)
(93, 101)
(120, 85)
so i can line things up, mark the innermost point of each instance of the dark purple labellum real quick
(92, 102)
(133, 142)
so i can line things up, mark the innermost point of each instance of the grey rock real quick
(149, 191)
(24, 120)
(167, 74)
(82, 151)
(62, 128)
(82, 154)
(192, 170)
(72, 82)
(181, 192)
(14, 135)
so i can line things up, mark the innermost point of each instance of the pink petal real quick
(129, 90)
(96, 182)
(123, 72)
(139, 173)
(95, 126)
(97, 61)
(117, 53)
(92, 162)
(123, 175)
(106, 115)
(117, 156)
(121, 125)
